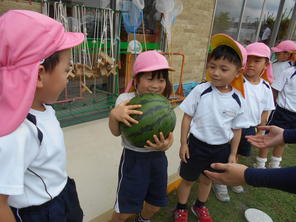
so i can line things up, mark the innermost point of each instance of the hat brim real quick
(154, 68)
(70, 40)
(17, 96)
(222, 39)
(275, 49)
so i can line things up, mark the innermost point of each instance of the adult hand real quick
(273, 138)
(233, 175)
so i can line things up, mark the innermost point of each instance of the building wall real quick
(190, 35)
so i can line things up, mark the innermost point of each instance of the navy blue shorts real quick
(244, 147)
(141, 177)
(202, 155)
(282, 118)
(63, 208)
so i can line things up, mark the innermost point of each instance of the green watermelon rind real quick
(137, 135)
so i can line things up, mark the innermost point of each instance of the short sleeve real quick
(190, 103)
(281, 80)
(241, 119)
(124, 97)
(269, 100)
(12, 151)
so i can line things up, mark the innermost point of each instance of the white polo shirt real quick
(286, 87)
(23, 161)
(278, 68)
(214, 114)
(121, 98)
(259, 98)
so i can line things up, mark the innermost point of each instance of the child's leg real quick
(183, 191)
(148, 211)
(204, 188)
(261, 159)
(118, 217)
(277, 154)
(199, 209)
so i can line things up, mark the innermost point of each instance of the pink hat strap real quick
(129, 86)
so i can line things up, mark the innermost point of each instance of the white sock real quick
(275, 162)
(260, 162)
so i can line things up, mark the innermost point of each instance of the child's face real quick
(222, 72)
(283, 56)
(255, 66)
(55, 81)
(147, 84)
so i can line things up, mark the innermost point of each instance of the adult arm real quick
(5, 211)
(237, 174)
(290, 135)
(282, 178)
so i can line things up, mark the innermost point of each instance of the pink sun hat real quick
(261, 50)
(285, 46)
(26, 39)
(147, 62)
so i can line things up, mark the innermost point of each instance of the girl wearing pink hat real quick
(34, 60)
(148, 179)
(284, 116)
(284, 51)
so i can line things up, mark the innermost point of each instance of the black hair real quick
(163, 73)
(226, 52)
(51, 61)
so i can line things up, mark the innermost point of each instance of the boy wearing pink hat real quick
(284, 116)
(142, 170)
(211, 125)
(259, 97)
(283, 52)
(34, 60)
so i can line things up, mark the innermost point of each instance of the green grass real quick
(279, 205)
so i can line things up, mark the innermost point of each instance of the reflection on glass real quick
(227, 17)
(228, 13)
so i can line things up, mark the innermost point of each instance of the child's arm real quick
(5, 211)
(264, 119)
(234, 145)
(121, 113)
(185, 127)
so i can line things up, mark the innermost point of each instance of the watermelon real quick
(158, 116)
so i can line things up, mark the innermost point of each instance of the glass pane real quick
(250, 21)
(227, 17)
(286, 17)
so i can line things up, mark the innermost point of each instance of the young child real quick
(211, 125)
(259, 100)
(283, 54)
(34, 61)
(284, 115)
(142, 170)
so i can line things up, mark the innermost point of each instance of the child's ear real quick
(240, 72)
(40, 79)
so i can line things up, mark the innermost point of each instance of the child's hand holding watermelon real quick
(161, 143)
(122, 113)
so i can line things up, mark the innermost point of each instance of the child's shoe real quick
(139, 218)
(237, 189)
(202, 213)
(181, 215)
(221, 192)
